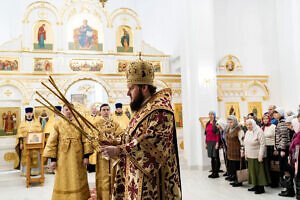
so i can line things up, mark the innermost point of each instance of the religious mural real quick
(178, 114)
(9, 121)
(9, 64)
(42, 65)
(124, 39)
(255, 108)
(85, 37)
(43, 36)
(122, 65)
(157, 66)
(232, 108)
(86, 65)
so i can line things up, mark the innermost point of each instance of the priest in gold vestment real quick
(149, 165)
(120, 117)
(105, 168)
(47, 130)
(69, 151)
(93, 118)
(29, 124)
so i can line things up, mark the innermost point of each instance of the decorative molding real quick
(18, 84)
(125, 11)
(40, 4)
(10, 156)
(60, 51)
(95, 74)
(238, 86)
(230, 63)
(9, 41)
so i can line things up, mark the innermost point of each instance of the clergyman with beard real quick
(148, 166)
(120, 117)
(29, 124)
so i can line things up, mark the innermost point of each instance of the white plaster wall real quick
(197, 64)
(288, 30)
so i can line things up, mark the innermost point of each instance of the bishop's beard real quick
(136, 104)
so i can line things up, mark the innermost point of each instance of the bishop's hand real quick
(110, 151)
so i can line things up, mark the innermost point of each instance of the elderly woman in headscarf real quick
(212, 144)
(282, 143)
(235, 148)
(269, 133)
(222, 126)
(294, 153)
(255, 153)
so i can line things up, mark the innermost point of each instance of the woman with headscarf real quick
(222, 126)
(235, 148)
(269, 133)
(294, 153)
(282, 143)
(255, 153)
(212, 144)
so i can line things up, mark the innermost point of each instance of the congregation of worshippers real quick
(267, 149)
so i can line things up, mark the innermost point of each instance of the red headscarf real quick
(269, 121)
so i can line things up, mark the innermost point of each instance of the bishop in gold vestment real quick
(105, 168)
(29, 124)
(149, 165)
(68, 150)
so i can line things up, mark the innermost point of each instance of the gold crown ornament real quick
(140, 72)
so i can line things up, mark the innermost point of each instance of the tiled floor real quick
(196, 186)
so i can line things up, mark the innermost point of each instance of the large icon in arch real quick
(85, 36)
(43, 36)
(124, 39)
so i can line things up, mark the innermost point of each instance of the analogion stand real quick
(35, 141)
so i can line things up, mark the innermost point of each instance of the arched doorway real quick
(11, 98)
(86, 92)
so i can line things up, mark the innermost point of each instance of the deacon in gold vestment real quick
(69, 151)
(105, 168)
(149, 166)
(93, 118)
(120, 117)
(28, 125)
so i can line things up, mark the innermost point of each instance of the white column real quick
(288, 30)
(198, 77)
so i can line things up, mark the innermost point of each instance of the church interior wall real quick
(35, 64)
(262, 34)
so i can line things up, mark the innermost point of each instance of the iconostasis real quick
(86, 49)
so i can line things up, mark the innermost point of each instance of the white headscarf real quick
(296, 125)
(223, 124)
(254, 125)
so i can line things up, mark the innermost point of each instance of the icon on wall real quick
(124, 39)
(43, 36)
